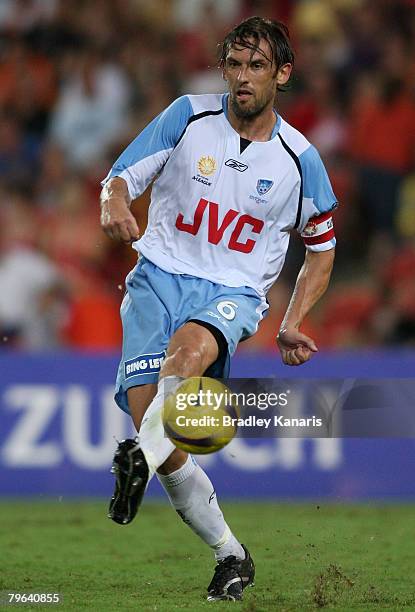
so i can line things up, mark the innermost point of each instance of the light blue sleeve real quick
(316, 183)
(149, 151)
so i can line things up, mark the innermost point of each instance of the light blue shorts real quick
(157, 303)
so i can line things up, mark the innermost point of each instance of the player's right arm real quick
(117, 220)
(137, 166)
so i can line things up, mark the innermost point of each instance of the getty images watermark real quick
(300, 407)
(227, 408)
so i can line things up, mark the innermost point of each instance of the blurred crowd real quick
(79, 80)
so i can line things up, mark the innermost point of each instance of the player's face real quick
(253, 79)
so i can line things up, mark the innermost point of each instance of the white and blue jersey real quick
(220, 211)
(218, 228)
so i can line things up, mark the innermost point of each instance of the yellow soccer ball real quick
(200, 417)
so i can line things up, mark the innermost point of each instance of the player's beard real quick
(248, 112)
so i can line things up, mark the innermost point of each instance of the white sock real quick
(192, 495)
(153, 441)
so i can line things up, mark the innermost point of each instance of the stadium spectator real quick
(90, 112)
(31, 290)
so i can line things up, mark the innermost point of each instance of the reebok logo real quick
(232, 163)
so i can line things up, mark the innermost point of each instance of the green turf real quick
(308, 557)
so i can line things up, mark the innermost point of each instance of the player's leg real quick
(129, 464)
(187, 356)
(147, 326)
(193, 496)
(192, 350)
(139, 399)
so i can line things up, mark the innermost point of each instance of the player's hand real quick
(295, 347)
(117, 220)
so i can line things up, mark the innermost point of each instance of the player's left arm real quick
(317, 231)
(312, 281)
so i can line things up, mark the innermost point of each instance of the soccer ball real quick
(200, 417)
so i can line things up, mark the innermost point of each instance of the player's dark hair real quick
(249, 34)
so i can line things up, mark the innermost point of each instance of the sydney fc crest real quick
(263, 186)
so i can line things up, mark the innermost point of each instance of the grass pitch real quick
(308, 556)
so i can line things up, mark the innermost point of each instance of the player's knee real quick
(185, 361)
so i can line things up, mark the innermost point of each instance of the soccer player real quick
(231, 179)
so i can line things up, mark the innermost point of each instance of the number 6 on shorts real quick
(227, 309)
